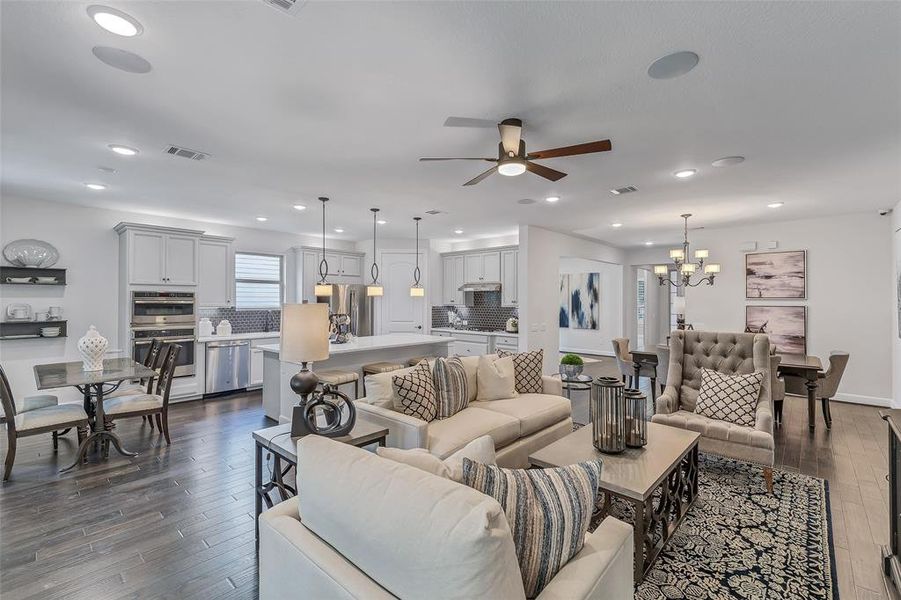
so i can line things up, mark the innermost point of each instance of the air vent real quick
(186, 153)
(624, 190)
(292, 7)
(434, 211)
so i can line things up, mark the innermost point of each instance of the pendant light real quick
(323, 288)
(416, 290)
(374, 288)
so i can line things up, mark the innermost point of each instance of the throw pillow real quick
(480, 450)
(414, 393)
(449, 377)
(548, 510)
(731, 398)
(528, 367)
(497, 378)
(380, 388)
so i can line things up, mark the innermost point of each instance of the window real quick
(641, 307)
(259, 282)
(674, 292)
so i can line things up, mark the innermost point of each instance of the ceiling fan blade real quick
(468, 122)
(479, 178)
(460, 158)
(587, 148)
(545, 172)
(511, 134)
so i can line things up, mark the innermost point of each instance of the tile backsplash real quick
(485, 312)
(243, 321)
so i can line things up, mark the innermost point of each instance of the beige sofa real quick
(519, 426)
(368, 527)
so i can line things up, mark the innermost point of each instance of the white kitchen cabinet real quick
(482, 266)
(343, 267)
(453, 278)
(509, 279)
(158, 255)
(351, 266)
(256, 360)
(216, 279)
(470, 348)
(491, 266)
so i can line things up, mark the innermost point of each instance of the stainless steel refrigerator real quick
(350, 299)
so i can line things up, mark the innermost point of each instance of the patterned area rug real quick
(737, 541)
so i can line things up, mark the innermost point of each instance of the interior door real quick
(400, 313)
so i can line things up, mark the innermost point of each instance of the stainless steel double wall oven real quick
(168, 316)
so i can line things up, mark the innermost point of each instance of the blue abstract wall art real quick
(580, 300)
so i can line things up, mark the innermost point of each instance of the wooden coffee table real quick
(659, 481)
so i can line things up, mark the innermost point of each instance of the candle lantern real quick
(607, 411)
(636, 418)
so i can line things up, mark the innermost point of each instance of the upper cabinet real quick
(158, 255)
(482, 266)
(453, 278)
(216, 281)
(343, 267)
(509, 278)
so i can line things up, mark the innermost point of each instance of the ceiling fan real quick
(511, 153)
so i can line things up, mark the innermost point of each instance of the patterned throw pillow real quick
(731, 398)
(414, 393)
(449, 377)
(548, 511)
(527, 366)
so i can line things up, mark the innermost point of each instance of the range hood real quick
(481, 286)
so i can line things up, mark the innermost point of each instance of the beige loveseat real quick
(368, 527)
(519, 426)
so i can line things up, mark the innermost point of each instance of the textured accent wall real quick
(243, 321)
(486, 312)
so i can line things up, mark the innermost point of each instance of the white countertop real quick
(477, 332)
(374, 342)
(256, 335)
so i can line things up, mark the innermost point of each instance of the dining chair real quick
(662, 365)
(41, 417)
(626, 366)
(777, 388)
(148, 404)
(827, 386)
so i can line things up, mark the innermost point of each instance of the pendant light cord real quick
(323, 264)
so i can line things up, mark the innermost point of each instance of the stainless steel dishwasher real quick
(227, 366)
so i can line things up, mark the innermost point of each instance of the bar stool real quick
(379, 367)
(338, 378)
(415, 361)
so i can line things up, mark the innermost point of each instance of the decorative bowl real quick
(571, 370)
(31, 253)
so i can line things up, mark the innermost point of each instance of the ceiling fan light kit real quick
(512, 159)
(685, 269)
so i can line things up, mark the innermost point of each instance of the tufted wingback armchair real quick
(729, 353)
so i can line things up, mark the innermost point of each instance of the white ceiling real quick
(342, 100)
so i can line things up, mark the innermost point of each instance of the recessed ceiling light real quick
(458, 231)
(262, 219)
(649, 243)
(775, 204)
(95, 186)
(106, 169)
(616, 224)
(299, 207)
(338, 230)
(525, 201)
(685, 173)
(382, 222)
(728, 161)
(123, 150)
(552, 198)
(673, 65)
(115, 21)
(121, 59)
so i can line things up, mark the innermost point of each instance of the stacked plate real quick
(50, 331)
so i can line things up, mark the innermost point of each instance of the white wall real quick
(89, 252)
(596, 341)
(896, 306)
(848, 287)
(540, 251)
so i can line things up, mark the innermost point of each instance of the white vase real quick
(92, 347)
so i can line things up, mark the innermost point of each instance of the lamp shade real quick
(679, 305)
(305, 331)
(712, 268)
(661, 269)
(417, 291)
(702, 254)
(375, 290)
(689, 268)
(676, 254)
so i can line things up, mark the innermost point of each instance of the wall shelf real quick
(32, 273)
(24, 330)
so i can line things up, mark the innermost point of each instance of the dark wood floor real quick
(177, 522)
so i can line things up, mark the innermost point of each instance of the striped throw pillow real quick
(527, 366)
(548, 511)
(414, 393)
(451, 388)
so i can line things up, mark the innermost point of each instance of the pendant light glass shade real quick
(374, 288)
(323, 288)
(416, 290)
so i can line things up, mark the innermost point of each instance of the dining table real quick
(91, 385)
(810, 369)
(646, 357)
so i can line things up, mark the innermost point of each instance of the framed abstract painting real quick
(785, 325)
(564, 300)
(584, 304)
(776, 275)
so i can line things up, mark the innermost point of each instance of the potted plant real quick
(571, 365)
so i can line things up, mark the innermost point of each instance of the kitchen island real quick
(278, 399)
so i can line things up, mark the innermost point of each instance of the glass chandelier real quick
(374, 288)
(323, 288)
(416, 290)
(686, 271)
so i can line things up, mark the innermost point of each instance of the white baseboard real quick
(859, 399)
